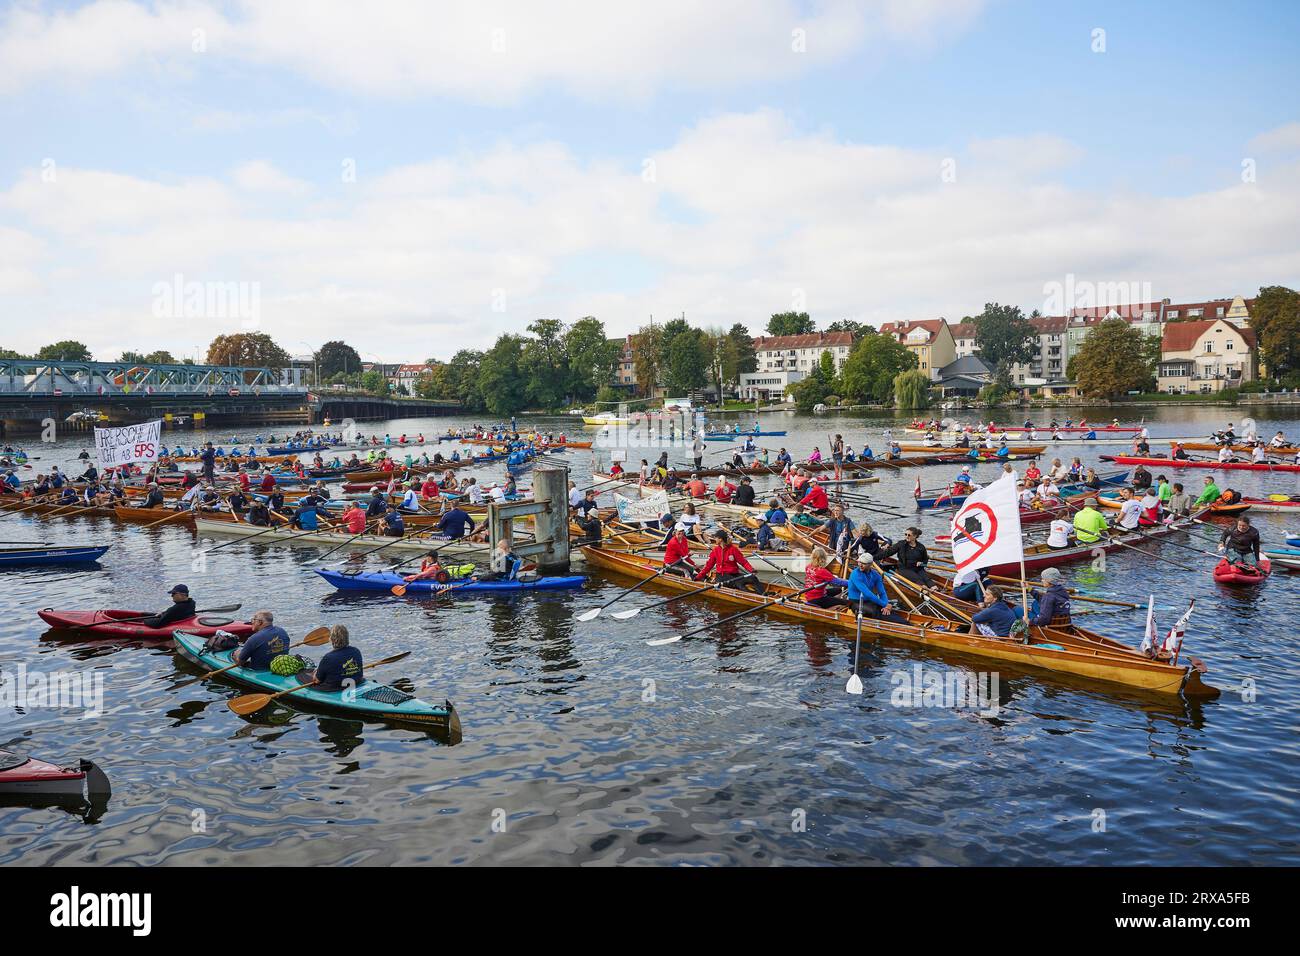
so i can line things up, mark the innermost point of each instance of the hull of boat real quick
(1212, 465)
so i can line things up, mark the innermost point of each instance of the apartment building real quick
(786, 359)
(930, 340)
(1206, 355)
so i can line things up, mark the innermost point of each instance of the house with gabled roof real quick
(1204, 356)
(930, 340)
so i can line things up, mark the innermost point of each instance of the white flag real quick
(122, 446)
(650, 508)
(986, 528)
(1174, 640)
(1150, 637)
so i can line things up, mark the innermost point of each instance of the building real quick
(963, 337)
(931, 341)
(964, 377)
(1204, 356)
(625, 368)
(783, 360)
(405, 376)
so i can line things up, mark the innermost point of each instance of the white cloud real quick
(1282, 139)
(746, 213)
(261, 176)
(484, 52)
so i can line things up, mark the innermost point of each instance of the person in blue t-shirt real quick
(995, 617)
(454, 523)
(342, 666)
(394, 526)
(266, 643)
(867, 591)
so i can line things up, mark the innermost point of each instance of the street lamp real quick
(315, 365)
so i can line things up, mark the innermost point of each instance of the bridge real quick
(34, 391)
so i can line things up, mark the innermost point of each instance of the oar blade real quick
(854, 685)
(249, 704)
(589, 615)
(317, 637)
(398, 589)
(625, 615)
(660, 641)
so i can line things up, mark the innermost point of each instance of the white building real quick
(784, 360)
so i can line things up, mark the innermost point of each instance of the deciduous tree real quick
(1111, 360)
(791, 323)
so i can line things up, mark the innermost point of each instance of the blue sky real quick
(516, 174)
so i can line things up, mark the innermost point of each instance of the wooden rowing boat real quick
(417, 542)
(1288, 451)
(1077, 657)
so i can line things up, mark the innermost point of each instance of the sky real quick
(415, 178)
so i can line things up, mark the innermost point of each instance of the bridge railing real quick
(114, 379)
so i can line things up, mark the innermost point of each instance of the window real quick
(1227, 346)
(1171, 314)
(1195, 313)
(1209, 347)
(1219, 312)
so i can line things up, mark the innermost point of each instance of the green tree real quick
(1111, 360)
(10, 354)
(687, 362)
(65, 351)
(856, 329)
(592, 356)
(811, 391)
(1003, 338)
(547, 365)
(334, 357)
(869, 371)
(501, 376)
(374, 382)
(741, 357)
(791, 323)
(253, 349)
(912, 390)
(1275, 317)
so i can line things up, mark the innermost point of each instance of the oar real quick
(313, 639)
(731, 617)
(854, 685)
(228, 609)
(400, 589)
(252, 703)
(633, 612)
(339, 547)
(170, 517)
(595, 612)
(1148, 554)
(226, 544)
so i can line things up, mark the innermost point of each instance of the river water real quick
(584, 745)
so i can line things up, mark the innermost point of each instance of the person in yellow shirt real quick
(1089, 524)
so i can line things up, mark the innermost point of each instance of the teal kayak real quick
(371, 700)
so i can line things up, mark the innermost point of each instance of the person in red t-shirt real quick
(1032, 473)
(244, 483)
(268, 483)
(724, 490)
(429, 489)
(816, 578)
(727, 560)
(354, 519)
(815, 499)
(697, 488)
(677, 555)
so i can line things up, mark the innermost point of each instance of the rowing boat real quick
(1066, 654)
(386, 580)
(370, 700)
(412, 543)
(23, 557)
(1190, 463)
(1070, 490)
(1287, 451)
(1289, 505)
(1111, 499)
(1116, 429)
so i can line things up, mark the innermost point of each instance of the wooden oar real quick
(854, 685)
(1079, 595)
(595, 612)
(313, 639)
(171, 517)
(252, 703)
(633, 612)
(731, 617)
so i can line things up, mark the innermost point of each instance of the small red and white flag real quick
(916, 492)
(1174, 640)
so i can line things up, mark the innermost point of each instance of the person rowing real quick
(815, 500)
(1241, 543)
(866, 590)
(819, 580)
(677, 555)
(727, 561)
(504, 564)
(1052, 605)
(182, 608)
(341, 667)
(265, 644)
(1130, 510)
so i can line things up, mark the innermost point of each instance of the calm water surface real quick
(583, 745)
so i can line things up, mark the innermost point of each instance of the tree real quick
(741, 355)
(334, 357)
(1111, 360)
(501, 376)
(648, 357)
(10, 354)
(592, 357)
(791, 323)
(912, 390)
(1275, 317)
(687, 362)
(812, 390)
(253, 349)
(65, 351)
(374, 382)
(872, 366)
(547, 365)
(856, 329)
(1003, 338)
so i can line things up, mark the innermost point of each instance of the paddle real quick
(170, 517)
(229, 609)
(633, 612)
(339, 547)
(313, 639)
(731, 617)
(595, 612)
(252, 703)
(854, 685)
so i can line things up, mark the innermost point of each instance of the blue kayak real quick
(384, 581)
(369, 700)
(45, 556)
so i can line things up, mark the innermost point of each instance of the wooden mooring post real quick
(550, 510)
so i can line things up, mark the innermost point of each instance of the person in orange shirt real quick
(430, 569)
(697, 488)
(677, 555)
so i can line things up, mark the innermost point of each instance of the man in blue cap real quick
(182, 609)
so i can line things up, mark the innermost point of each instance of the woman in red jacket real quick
(677, 554)
(727, 560)
(815, 499)
(817, 578)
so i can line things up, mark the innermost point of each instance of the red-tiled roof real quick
(962, 330)
(901, 330)
(1049, 324)
(1182, 336)
(814, 340)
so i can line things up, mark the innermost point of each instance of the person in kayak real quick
(1052, 605)
(1209, 494)
(181, 609)
(265, 644)
(912, 557)
(341, 667)
(1241, 542)
(727, 560)
(867, 591)
(1089, 523)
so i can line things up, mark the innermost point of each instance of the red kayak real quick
(28, 776)
(110, 624)
(1225, 572)
(1189, 463)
